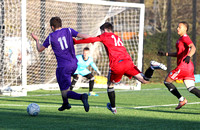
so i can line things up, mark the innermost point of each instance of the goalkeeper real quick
(83, 62)
(185, 68)
(120, 62)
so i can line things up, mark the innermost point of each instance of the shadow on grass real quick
(17, 119)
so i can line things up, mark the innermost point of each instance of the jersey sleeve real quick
(73, 32)
(47, 42)
(88, 40)
(187, 40)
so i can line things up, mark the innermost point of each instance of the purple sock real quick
(74, 95)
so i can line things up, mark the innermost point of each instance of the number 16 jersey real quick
(113, 45)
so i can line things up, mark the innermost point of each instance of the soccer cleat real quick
(157, 65)
(181, 103)
(92, 94)
(63, 107)
(113, 110)
(84, 99)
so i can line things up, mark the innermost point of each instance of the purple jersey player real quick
(62, 44)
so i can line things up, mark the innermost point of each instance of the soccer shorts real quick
(123, 67)
(182, 74)
(63, 75)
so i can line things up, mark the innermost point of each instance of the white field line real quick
(139, 107)
(167, 105)
(97, 92)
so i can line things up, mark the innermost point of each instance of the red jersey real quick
(113, 45)
(183, 50)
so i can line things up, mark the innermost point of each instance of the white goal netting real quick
(85, 17)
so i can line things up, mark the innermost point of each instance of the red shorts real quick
(123, 67)
(182, 74)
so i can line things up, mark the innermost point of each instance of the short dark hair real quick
(86, 49)
(107, 26)
(56, 22)
(186, 24)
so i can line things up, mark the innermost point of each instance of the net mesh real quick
(84, 18)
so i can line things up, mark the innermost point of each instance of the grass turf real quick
(13, 113)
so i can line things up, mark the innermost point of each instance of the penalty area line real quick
(167, 105)
(139, 107)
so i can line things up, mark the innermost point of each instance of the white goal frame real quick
(54, 86)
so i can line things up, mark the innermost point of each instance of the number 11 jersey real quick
(63, 46)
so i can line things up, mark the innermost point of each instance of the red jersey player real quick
(185, 68)
(120, 62)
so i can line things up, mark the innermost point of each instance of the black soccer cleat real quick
(84, 99)
(64, 106)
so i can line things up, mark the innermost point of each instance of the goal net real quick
(21, 66)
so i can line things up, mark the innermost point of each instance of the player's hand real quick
(161, 53)
(187, 59)
(34, 37)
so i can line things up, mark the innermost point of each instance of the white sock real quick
(113, 108)
(181, 99)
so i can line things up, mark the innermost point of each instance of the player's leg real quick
(140, 77)
(74, 80)
(64, 81)
(64, 91)
(133, 71)
(82, 97)
(157, 65)
(168, 83)
(130, 70)
(191, 87)
(73, 95)
(91, 78)
(111, 91)
(153, 65)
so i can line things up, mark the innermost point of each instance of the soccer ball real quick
(33, 109)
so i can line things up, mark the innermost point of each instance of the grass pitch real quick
(151, 108)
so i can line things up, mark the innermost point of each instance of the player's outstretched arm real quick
(39, 47)
(95, 68)
(87, 40)
(81, 35)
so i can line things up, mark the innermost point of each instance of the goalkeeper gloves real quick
(161, 53)
(187, 59)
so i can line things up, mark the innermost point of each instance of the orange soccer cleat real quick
(181, 103)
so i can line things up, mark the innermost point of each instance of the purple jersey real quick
(63, 46)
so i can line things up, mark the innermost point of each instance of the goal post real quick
(24, 67)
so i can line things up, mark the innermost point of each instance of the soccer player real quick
(83, 62)
(120, 62)
(185, 68)
(62, 44)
